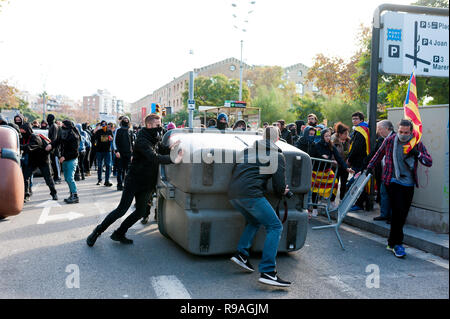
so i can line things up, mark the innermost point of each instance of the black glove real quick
(369, 170)
(414, 152)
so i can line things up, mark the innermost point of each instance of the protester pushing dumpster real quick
(192, 205)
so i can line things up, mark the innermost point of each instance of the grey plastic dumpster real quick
(192, 205)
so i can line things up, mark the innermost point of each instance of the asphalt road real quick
(44, 255)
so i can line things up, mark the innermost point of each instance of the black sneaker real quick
(54, 196)
(90, 241)
(107, 184)
(73, 199)
(115, 236)
(242, 260)
(99, 182)
(119, 187)
(272, 279)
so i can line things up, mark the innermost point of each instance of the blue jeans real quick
(69, 168)
(106, 156)
(385, 207)
(257, 212)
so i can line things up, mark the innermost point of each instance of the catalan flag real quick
(323, 182)
(411, 112)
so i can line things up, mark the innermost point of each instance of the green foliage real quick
(274, 105)
(337, 109)
(215, 90)
(309, 104)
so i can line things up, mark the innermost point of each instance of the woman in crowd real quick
(341, 140)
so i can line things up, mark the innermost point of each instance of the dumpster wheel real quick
(159, 211)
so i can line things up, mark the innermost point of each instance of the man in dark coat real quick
(141, 180)
(123, 147)
(53, 134)
(38, 158)
(285, 133)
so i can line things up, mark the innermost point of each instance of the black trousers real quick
(342, 177)
(80, 170)
(123, 164)
(45, 170)
(54, 163)
(87, 162)
(130, 191)
(400, 198)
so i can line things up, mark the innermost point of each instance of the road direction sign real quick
(414, 40)
(191, 104)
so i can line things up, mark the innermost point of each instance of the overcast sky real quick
(133, 47)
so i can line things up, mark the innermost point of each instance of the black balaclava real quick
(125, 122)
(50, 119)
(20, 122)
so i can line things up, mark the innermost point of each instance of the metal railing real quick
(323, 184)
(347, 202)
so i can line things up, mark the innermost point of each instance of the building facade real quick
(170, 95)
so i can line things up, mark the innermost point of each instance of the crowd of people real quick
(133, 155)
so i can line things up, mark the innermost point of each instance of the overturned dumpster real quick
(192, 204)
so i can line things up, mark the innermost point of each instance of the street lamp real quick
(241, 67)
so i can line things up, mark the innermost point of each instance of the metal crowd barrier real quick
(323, 184)
(347, 202)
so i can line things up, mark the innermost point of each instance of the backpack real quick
(45, 140)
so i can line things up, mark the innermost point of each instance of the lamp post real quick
(241, 70)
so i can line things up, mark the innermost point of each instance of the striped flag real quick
(411, 112)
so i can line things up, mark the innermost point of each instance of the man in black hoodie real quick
(148, 153)
(53, 134)
(246, 193)
(37, 158)
(123, 147)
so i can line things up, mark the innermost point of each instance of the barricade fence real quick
(324, 184)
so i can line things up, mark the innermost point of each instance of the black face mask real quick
(221, 125)
(125, 123)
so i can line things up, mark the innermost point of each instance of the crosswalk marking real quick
(169, 287)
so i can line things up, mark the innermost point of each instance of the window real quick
(232, 67)
(300, 73)
(299, 88)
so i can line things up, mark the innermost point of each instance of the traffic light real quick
(163, 111)
(157, 109)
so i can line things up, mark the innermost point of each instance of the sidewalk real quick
(423, 239)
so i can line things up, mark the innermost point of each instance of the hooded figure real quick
(18, 120)
(37, 157)
(222, 121)
(3, 120)
(306, 142)
(240, 125)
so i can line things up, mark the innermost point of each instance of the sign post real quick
(393, 37)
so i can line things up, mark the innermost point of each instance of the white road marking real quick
(169, 287)
(45, 217)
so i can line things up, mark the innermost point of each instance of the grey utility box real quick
(193, 207)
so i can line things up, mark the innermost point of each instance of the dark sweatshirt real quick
(247, 180)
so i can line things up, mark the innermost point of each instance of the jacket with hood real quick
(148, 153)
(19, 120)
(323, 148)
(53, 133)
(123, 141)
(248, 181)
(68, 141)
(33, 147)
(306, 142)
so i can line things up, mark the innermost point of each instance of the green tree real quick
(338, 109)
(274, 105)
(215, 90)
(309, 104)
